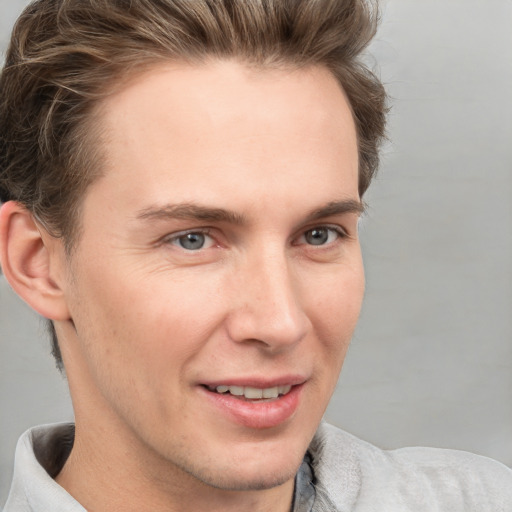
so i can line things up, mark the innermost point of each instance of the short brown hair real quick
(66, 55)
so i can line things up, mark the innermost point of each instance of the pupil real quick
(192, 241)
(317, 236)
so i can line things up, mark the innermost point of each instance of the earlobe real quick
(29, 263)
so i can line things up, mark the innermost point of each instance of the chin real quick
(241, 481)
(253, 472)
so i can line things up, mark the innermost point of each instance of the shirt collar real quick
(33, 488)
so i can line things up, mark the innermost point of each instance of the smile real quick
(252, 393)
(255, 407)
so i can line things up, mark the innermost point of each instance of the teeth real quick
(270, 392)
(284, 390)
(236, 390)
(254, 393)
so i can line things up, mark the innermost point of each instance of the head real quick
(62, 62)
(76, 69)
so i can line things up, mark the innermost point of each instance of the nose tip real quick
(268, 310)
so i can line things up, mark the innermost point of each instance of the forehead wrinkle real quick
(190, 211)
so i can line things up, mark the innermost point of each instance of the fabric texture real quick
(351, 475)
(340, 473)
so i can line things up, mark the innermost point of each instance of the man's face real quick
(219, 257)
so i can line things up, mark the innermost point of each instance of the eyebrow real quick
(191, 211)
(337, 208)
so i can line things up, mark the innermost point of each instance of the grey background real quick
(431, 361)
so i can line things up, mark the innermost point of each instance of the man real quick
(181, 184)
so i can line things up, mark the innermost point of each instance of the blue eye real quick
(317, 236)
(192, 241)
(321, 235)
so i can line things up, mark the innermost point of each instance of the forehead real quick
(196, 128)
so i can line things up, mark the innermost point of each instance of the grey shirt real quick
(340, 473)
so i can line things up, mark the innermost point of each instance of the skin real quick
(144, 323)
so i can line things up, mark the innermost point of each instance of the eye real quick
(192, 241)
(321, 235)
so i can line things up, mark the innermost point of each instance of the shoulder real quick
(356, 475)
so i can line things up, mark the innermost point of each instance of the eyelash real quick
(337, 230)
(340, 233)
(169, 240)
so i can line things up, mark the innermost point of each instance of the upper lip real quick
(257, 382)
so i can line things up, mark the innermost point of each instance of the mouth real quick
(252, 394)
(255, 403)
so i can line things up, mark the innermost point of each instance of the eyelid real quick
(339, 230)
(207, 231)
(172, 237)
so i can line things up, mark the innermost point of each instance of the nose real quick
(267, 308)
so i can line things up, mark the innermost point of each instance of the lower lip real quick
(256, 414)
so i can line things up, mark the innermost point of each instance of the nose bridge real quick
(268, 306)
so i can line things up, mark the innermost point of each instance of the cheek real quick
(339, 298)
(157, 321)
(139, 339)
(334, 312)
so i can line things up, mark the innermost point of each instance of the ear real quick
(32, 261)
